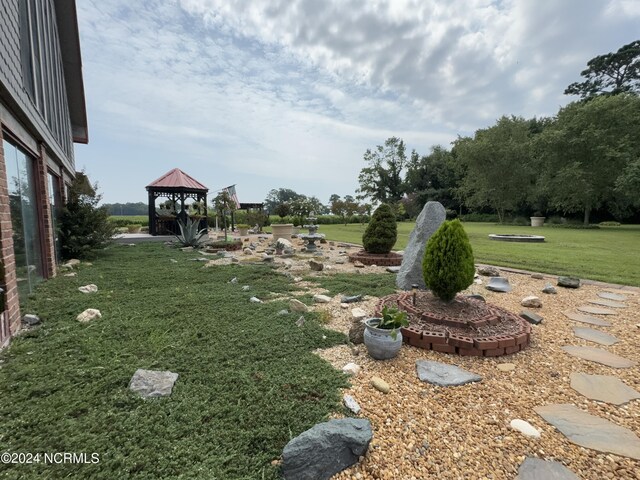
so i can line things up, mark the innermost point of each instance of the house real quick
(42, 114)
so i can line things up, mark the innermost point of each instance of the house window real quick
(23, 205)
(55, 201)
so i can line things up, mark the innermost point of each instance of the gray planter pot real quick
(379, 341)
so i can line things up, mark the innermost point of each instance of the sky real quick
(271, 94)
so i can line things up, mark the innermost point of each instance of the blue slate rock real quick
(351, 299)
(443, 374)
(326, 449)
(499, 284)
(538, 469)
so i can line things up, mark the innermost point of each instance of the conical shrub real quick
(447, 265)
(382, 232)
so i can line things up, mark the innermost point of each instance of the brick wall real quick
(44, 211)
(10, 319)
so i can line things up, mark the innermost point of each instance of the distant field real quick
(609, 254)
(123, 220)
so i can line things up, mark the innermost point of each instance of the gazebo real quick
(178, 188)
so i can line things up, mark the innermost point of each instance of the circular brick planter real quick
(380, 259)
(491, 332)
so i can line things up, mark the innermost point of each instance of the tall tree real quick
(382, 179)
(498, 164)
(278, 196)
(590, 150)
(610, 74)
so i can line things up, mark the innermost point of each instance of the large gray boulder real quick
(429, 220)
(326, 449)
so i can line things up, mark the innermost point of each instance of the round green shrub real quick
(447, 265)
(382, 232)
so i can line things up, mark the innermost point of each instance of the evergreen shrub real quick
(382, 232)
(448, 265)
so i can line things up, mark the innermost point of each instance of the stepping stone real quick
(594, 335)
(152, 383)
(578, 317)
(590, 431)
(596, 310)
(538, 469)
(607, 303)
(599, 356)
(612, 296)
(499, 284)
(603, 388)
(443, 374)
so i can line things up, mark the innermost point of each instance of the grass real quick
(248, 380)
(609, 254)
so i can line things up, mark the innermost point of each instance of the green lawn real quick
(248, 380)
(609, 254)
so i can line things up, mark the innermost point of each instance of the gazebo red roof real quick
(176, 178)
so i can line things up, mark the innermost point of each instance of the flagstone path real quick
(595, 336)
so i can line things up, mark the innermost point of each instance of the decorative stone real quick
(358, 264)
(283, 313)
(31, 319)
(72, 274)
(234, 280)
(475, 296)
(247, 251)
(537, 469)
(72, 263)
(351, 404)
(267, 258)
(532, 318)
(358, 313)
(525, 428)
(596, 310)
(488, 271)
(152, 383)
(300, 321)
(297, 306)
(599, 356)
(612, 296)
(88, 315)
(321, 299)
(569, 282)
(429, 220)
(537, 276)
(607, 303)
(549, 289)
(351, 299)
(380, 384)
(91, 288)
(443, 374)
(506, 367)
(351, 369)
(590, 431)
(393, 269)
(603, 388)
(578, 317)
(531, 302)
(499, 284)
(316, 266)
(595, 336)
(326, 449)
(255, 300)
(246, 288)
(356, 332)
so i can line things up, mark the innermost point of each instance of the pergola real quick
(178, 187)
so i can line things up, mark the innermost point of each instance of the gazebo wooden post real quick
(152, 213)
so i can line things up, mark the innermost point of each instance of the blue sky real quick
(290, 93)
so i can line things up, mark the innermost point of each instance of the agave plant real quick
(189, 234)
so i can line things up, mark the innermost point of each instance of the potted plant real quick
(282, 230)
(537, 220)
(382, 335)
(243, 229)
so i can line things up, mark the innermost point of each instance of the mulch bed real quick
(390, 259)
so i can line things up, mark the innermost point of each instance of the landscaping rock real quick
(443, 374)
(356, 332)
(72, 263)
(72, 274)
(429, 220)
(300, 321)
(297, 306)
(88, 315)
(351, 299)
(255, 300)
(604, 388)
(477, 297)
(599, 356)
(499, 284)
(532, 318)
(316, 266)
(569, 282)
(549, 289)
(531, 302)
(351, 404)
(525, 428)
(590, 431)
(31, 319)
(321, 299)
(358, 314)
(595, 336)
(326, 449)
(152, 383)
(380, 385)
(538, 469)
(488, 271)
(506, 367)
(358, 264)
(537, 276)
(351, 368)
(579, 317)
(283, 313)
(267, 258)
(233, 280)
(247, 251)
(91, 288)
(393, 269)
(246, 288)
(612, 296)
